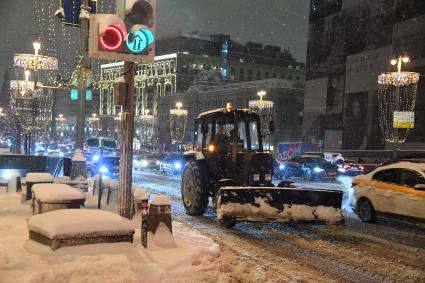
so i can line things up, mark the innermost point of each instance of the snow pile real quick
(163, 237)
(65, 222)
(161, 200)
(78, 156)
(141, 194)
(63, 180)
(194, 258)
(39, 178)
(55, 193)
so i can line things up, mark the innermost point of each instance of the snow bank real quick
(163, 237)
(194, 259)
(39, 178)
(55, 193)
(161, 200)
(62, 223)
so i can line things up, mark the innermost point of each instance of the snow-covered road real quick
(354, 252)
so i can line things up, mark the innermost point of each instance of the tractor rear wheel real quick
(194, 188)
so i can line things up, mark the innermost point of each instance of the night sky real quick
(277, 22)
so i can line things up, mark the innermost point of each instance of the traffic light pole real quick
(127, 132)
(82, 83)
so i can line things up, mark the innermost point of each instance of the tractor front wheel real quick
(194, 188)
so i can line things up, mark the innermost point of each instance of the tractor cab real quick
(231, 143)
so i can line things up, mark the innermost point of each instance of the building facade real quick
(181, 58)
(210, 92)
(350, 44)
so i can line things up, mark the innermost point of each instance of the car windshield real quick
(109, 143)
(147, 157)
(93, 142)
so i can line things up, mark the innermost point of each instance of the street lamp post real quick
(397, 96)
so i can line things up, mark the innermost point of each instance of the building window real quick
(266, 75)
(249, 75)
(258, 75)
(241, 74)
(274, 75)
(297, 78)
(282, 76)
(290, 77)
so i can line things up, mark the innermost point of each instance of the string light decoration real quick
(178, 122)
(145, 125)
(396, 92)
(264, 108)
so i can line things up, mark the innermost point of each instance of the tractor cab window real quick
(198, 137)
(253, 131)
(242, 143)
(224, 130)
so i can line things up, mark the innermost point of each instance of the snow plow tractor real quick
(228, 164)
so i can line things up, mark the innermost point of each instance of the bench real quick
(35, 178)
(72, 227)
(48, 197)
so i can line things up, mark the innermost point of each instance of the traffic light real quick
(127, 36)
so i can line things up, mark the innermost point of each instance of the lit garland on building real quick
(396, 92)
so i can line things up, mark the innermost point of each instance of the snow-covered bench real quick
(35, 178)
(48, 197)
(72, 227)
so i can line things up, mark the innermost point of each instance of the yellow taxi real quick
(396, 189)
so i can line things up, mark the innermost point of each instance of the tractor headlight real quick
(96, 158)
(256, 177)
(144, 163)
(178, 165)
(268, 177)
(318, 170)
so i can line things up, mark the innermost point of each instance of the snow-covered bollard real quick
(159, 211)
(141, 200)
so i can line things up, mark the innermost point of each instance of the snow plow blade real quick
(277, 204)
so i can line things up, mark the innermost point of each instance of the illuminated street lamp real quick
(397, 97)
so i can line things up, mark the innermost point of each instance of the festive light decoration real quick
(178, 122)
(396, 92)
(264, 108)
(35, 62)
(24, 87)
(145, 125)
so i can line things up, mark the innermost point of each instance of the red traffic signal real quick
(113, 37)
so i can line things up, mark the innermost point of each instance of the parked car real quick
(395, 189)
(309, 167)
(145, 161)
(350, 168)
(172, 164)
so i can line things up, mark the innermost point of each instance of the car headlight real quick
(157, 162)
(318, 170)
(103, 170)
(342, 170)
(144, 163)
(177, 165)
(281, 166)
(96, 158)
(61, 154)
(256, 177)
(268, 177)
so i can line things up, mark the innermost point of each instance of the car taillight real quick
(347, 166)
(361, 167)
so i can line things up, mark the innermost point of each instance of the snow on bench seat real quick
(48, 197)
(71, 227)
(39, 178)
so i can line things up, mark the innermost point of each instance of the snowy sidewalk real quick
(194, 258)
